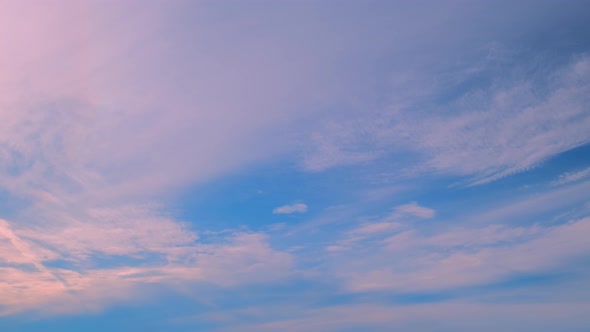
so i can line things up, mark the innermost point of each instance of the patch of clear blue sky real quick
(248, 199)
(148, 316)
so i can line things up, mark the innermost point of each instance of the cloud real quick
(461, 258)
(413, 209)
(100, 114)
(569, 177)
(536, 205)
(143, 101)
(125, 230)
(289, 209)
(453, 316)
(93, 129)
(379, 229)
(327, 153)
(486, 133)
(54, 273)
(375, 228)
(355, 237)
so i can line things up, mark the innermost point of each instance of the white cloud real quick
(414, 209)
(289, 209)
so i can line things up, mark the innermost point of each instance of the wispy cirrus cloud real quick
(446, 316)
(570, 177)
(462, 258)
(397, 255)
(381, 228)
(375, 228)
(492, 132)
(53, 273)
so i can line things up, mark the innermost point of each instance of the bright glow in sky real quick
(294, 165)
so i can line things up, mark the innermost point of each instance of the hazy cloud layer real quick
(148, 147)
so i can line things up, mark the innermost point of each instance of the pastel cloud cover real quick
(144, 145)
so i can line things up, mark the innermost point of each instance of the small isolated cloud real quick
(415, 210)
(289, 209)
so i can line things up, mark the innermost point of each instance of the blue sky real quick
(294, 165)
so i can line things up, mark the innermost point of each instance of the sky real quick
(294, 165)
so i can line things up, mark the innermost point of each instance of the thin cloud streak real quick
(570, 177)
(290, 209)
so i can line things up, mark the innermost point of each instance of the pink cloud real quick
(459, 258)
(452, 316)
(131, 231)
